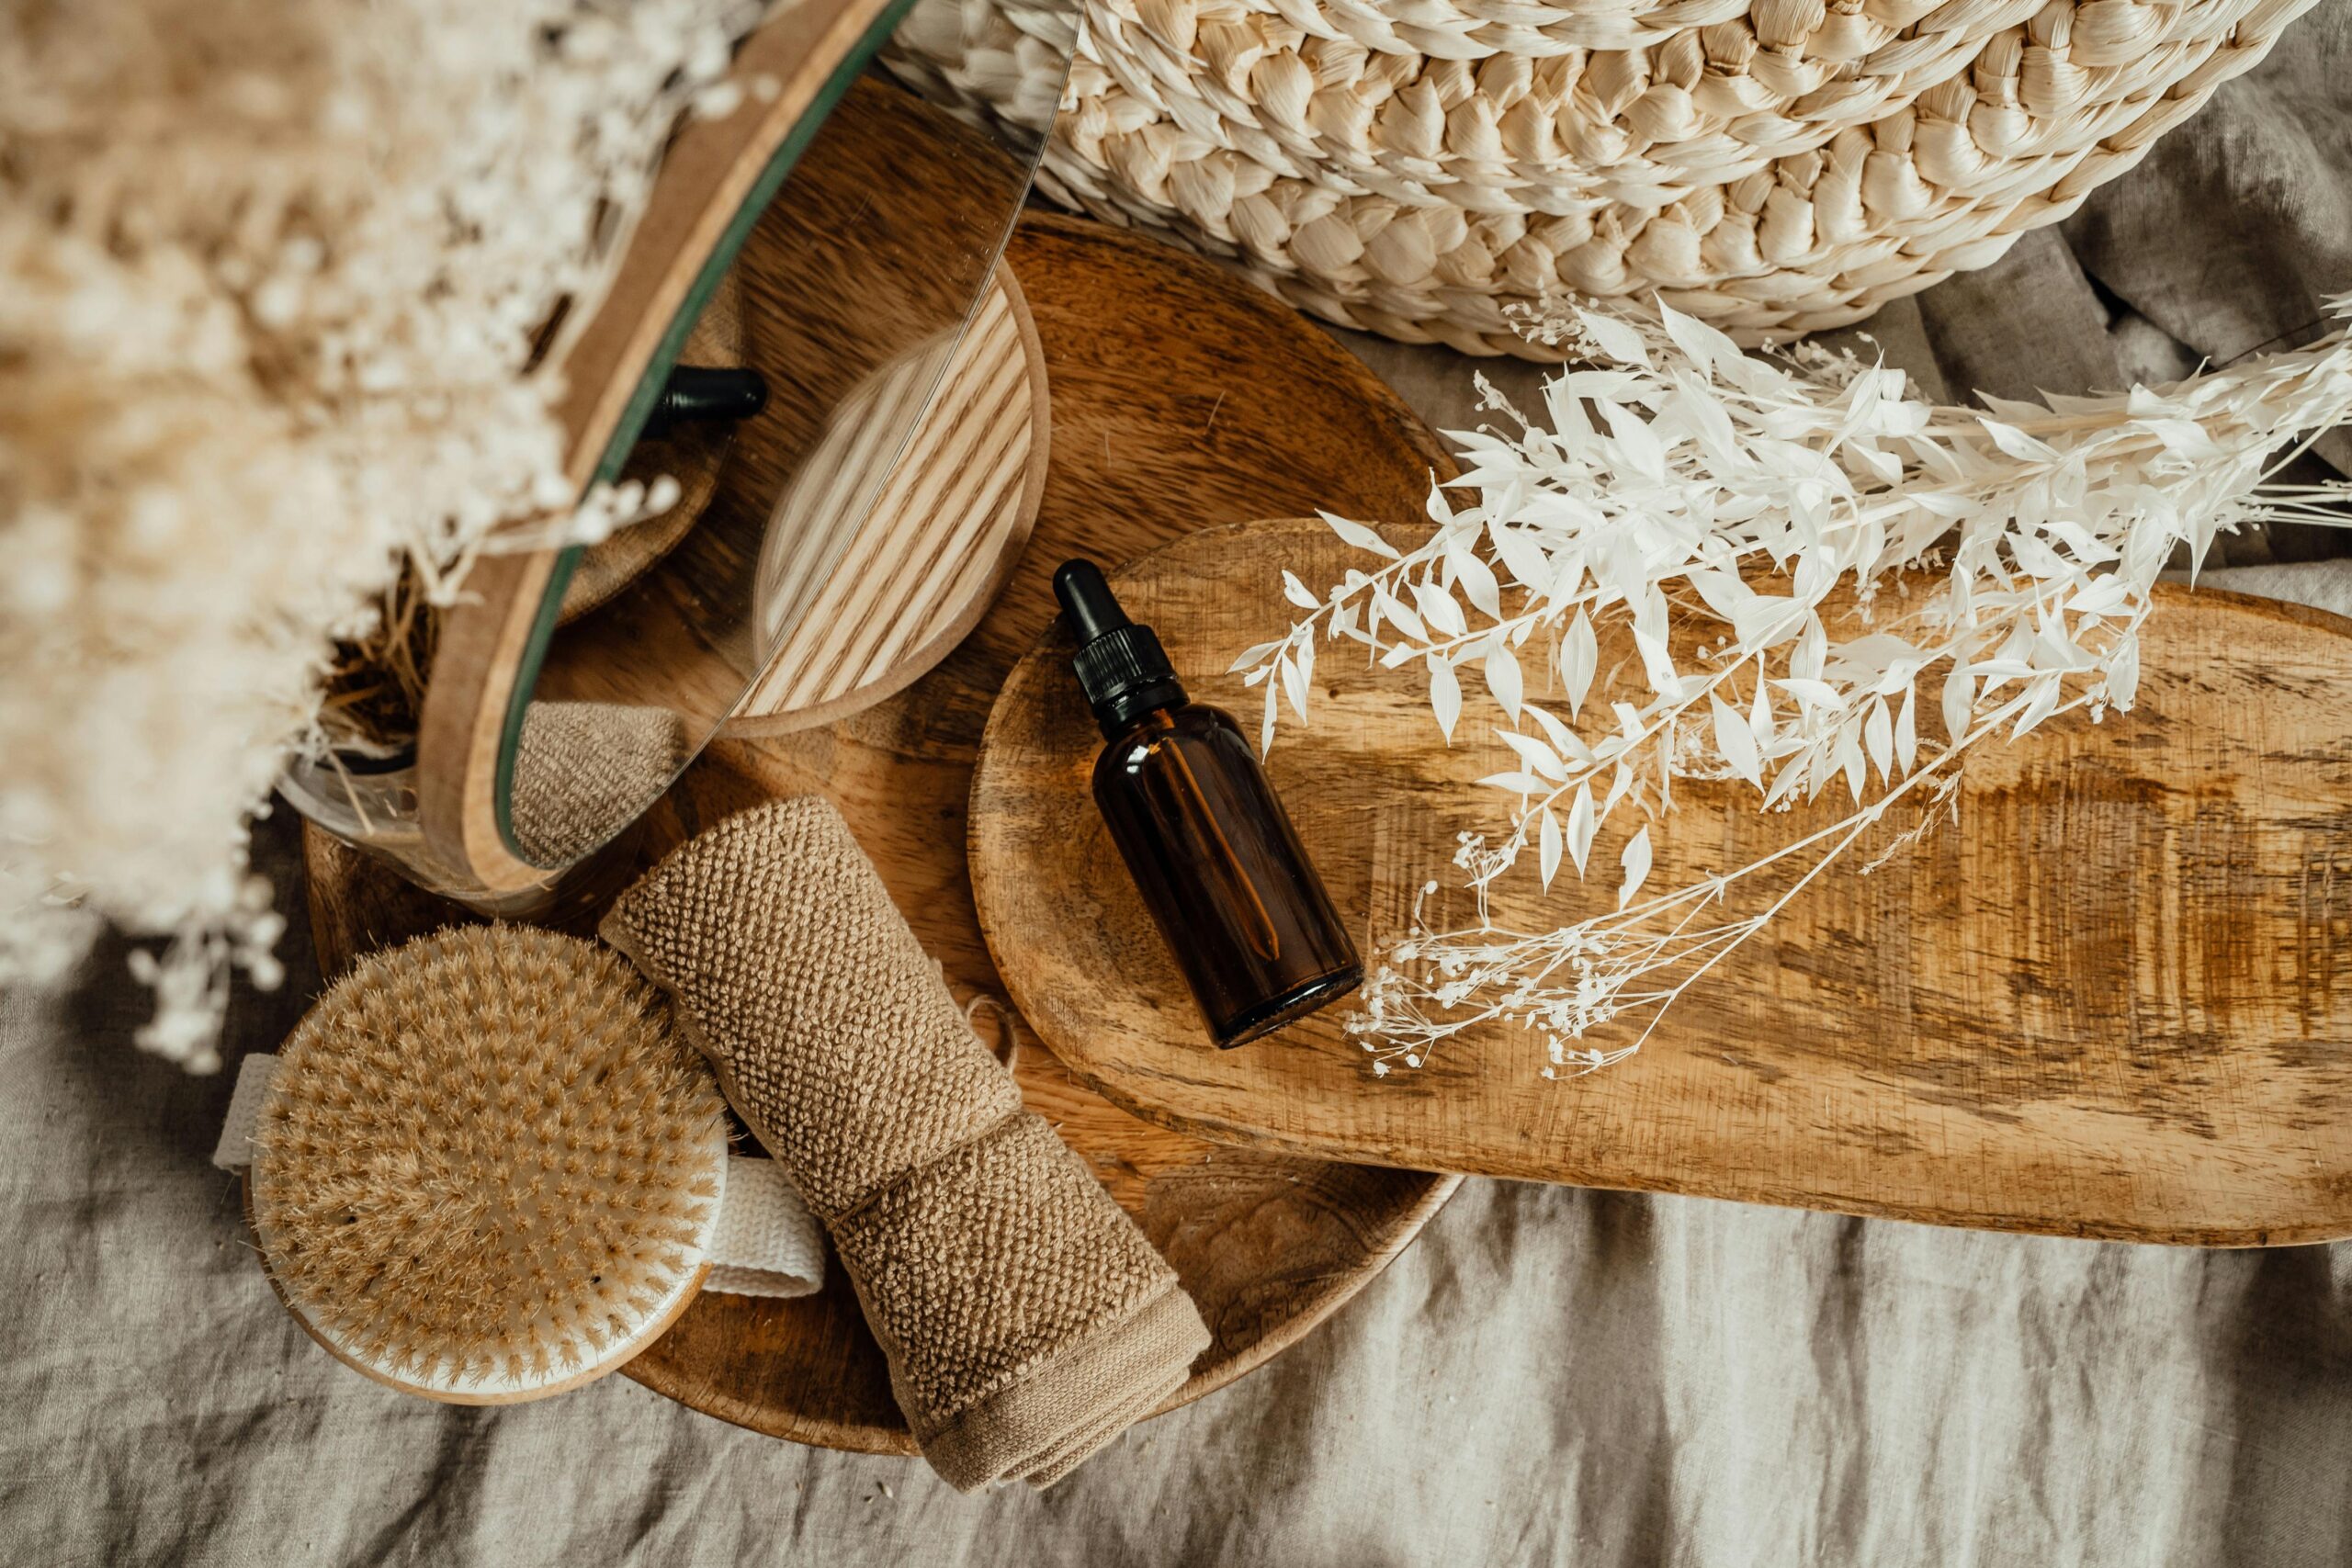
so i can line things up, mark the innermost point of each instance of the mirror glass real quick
(806, 358)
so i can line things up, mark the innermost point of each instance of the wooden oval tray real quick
(1180, 397)
(2114, 1000)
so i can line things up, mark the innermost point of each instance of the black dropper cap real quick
(1121, 666)
(694, 393)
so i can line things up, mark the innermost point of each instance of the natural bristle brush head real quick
(487, 1168)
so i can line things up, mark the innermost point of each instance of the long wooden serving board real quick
(2113, 999)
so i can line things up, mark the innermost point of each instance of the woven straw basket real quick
(1776, 166)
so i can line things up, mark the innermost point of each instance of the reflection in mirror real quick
(847, 301)
(810, 359)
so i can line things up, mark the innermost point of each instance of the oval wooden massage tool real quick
(857, 599)
(2114, 999)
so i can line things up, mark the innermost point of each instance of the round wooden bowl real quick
(1181, 398)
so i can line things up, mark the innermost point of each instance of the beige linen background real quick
(1547, 1376)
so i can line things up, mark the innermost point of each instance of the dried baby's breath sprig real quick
(1830, 550)
(273, 284)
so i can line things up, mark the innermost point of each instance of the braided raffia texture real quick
(487, 1164)
(1025, 1318)
(1414, 167)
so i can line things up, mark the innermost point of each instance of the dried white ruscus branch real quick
(1798, 551)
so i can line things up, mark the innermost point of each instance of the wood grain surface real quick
(1181, 398)
(858, 598)
(2114, 999)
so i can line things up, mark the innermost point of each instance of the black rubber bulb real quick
(695, 392)
(1092, 608)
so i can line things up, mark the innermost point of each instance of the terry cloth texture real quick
(584, 771)
(1026, 1320)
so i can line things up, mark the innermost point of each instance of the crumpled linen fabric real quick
(1546, 1376)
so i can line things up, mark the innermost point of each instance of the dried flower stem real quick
(273, 284)
(1712, 503)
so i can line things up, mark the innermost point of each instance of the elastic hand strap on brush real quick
(1026, 1320)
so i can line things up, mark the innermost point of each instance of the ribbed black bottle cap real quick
(1121, 666)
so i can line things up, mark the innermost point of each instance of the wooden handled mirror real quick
(811, 371)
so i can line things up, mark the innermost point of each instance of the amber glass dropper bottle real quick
(1215, 858)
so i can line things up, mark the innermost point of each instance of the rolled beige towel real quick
(1026, 1320)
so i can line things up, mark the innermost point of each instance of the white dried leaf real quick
(1579, 657)
(1616, 338)
(1706, 346)
(2018, 444)
(1724, 592)
(1438, 609)
(1620, 784)
(1635, 861)
(1878, 734)
(1564, 740)
(1503, 678)
(1445, 696)
(1536, 757)
(1252, 655)
(1582, 824)
(1519, 783)
(2047, 689)
(1359, 535)
(1478, 580)
(2124, 674)
(1637, 444)
(1959, 704)
(1738, 743)
(1295, 685)
(1399, 614)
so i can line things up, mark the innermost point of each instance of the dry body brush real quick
(275, 277)
(487, 1168)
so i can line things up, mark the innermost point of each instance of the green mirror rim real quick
(641, 400)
